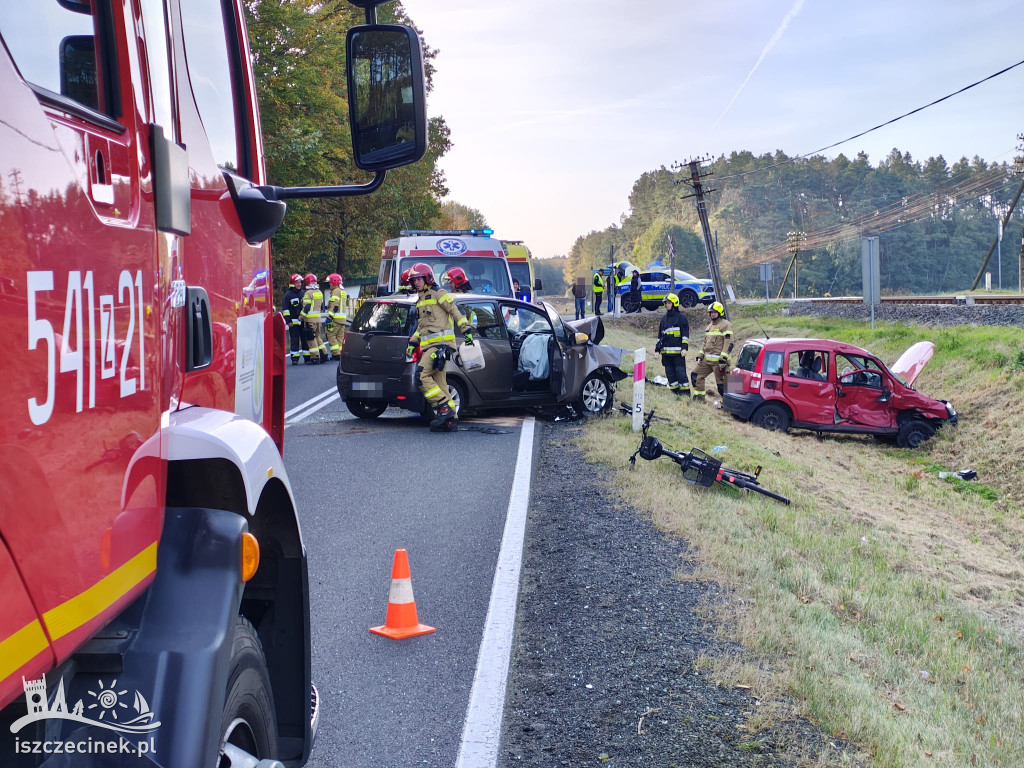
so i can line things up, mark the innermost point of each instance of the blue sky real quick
(557, 106)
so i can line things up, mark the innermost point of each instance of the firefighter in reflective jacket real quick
(312, 306)
(673, 341)
(714, 358)
(598, 293)
(435, 337)
(291, 306)
(336, 316)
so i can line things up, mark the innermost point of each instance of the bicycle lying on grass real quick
(698, 468)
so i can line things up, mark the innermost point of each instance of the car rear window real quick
(383, 316)
(748, 356)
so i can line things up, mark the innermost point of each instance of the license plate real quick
(368, 387)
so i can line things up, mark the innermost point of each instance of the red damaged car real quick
(829, 386)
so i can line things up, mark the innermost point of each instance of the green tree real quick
(458, 216)
(298, 51)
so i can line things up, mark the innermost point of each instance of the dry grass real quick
(886, 601)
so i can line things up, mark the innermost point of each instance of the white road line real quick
(299, 417)
(481, 732)
(321, 396)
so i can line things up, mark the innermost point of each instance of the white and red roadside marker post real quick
(639, 375)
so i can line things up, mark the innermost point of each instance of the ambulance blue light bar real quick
(485, 232)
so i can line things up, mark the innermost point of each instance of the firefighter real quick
(291, 306)
(598, 292)
(455, 280)
(403, 282)
(312, 308)
(673, 341)
(336, 316)
(435, 337)
(714, 357)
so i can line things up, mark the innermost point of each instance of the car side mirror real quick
(886, 395)
(387, 105)
(582, 338)
(538, 285)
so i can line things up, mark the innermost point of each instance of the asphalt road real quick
(364, 489)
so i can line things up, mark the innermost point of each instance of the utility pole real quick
(696, 174)
(671, 265)
(795, 240)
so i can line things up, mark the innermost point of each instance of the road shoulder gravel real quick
(605, 659)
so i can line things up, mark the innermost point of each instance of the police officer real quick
(673, 341)
(337, 318)
(598, 292)
(714, 357)
(291, 306)
(435, 337)
(312, 306)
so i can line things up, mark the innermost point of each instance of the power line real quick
(869, 130)
(907, 209)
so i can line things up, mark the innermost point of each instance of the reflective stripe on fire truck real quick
(21, 647)
(87, 605)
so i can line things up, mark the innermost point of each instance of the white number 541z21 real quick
(82, 350)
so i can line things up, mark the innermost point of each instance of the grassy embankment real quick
(889, 604)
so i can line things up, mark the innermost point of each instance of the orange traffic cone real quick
(401, 620)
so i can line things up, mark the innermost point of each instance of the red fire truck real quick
(153, 586)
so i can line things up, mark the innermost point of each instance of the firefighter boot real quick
(443, 415)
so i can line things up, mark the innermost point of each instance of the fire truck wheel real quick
(249, 724)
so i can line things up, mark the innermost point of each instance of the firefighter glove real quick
(468, 338)
(657, 347)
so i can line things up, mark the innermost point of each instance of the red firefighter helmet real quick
(456, 276)
(334, 279)
(422, 270)
(310, 279)
(296, 280)
(404, 279)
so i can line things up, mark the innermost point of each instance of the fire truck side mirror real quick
(387, 101)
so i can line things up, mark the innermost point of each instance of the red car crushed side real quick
(830, 386)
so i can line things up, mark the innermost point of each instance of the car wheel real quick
(913, 433)
(595, 394)
(771, 417)
(248, 723)
(629, 304)
(457, 394)
(688, 298)
(366, 409)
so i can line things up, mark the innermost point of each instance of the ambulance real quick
(479, 254)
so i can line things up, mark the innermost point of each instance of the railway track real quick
(950, 300)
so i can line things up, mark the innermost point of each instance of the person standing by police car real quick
(435, 337)
(291, 307)
(673, 341)
(714, 357)
(598, 293)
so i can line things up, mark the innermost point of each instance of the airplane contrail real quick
(767, 48)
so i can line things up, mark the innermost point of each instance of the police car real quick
(656, 283)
